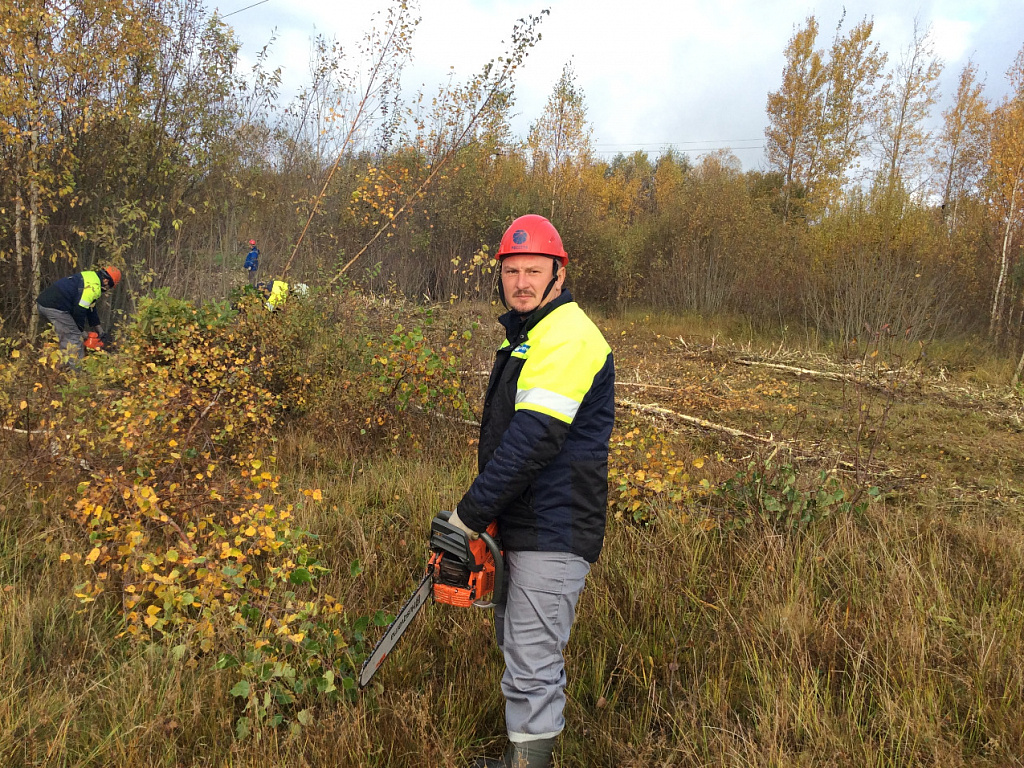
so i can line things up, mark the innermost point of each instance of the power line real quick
(664, 147)
(261, 2)
(759, 139)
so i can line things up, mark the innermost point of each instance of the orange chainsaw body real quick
(479, 574)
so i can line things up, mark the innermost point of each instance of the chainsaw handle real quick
(498, 594)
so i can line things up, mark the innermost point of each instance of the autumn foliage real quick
(184, 527)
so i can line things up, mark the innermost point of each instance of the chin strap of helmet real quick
(501, 288)
(551, 284)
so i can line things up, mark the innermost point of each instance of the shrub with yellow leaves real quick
(186, 529)
(647, 478)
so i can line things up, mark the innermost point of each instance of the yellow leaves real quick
(15, 354)
(93, 555)
(699, 462)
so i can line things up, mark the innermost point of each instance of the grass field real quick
(880, 624)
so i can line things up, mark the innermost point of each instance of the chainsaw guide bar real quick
(460, 572)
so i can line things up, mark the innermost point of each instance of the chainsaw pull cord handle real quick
(498, 594)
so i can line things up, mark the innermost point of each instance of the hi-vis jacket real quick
(547, 420)
(278, 295)
(77, 295)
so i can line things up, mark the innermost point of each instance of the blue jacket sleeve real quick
(531, 441)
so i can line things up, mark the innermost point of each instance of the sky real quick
(691, 74)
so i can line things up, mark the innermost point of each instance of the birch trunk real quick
(33, 233)
(996, 318)
(19, 207)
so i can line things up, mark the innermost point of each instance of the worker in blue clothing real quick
(70, 304)
(252, 262)
(543, 475)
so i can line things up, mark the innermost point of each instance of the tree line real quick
(130, 136)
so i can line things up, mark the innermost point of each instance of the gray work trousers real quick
(532, 629)
(68, 333)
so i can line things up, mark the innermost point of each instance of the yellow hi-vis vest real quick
(278, 295)
(92, 289)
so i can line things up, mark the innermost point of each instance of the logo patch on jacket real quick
(522, 349)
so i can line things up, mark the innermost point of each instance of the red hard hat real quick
(114, 273)
(252, 242)
(532, 235)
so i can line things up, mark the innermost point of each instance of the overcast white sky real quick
(694, 74)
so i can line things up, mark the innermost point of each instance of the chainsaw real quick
(95, 341)
(461, 572)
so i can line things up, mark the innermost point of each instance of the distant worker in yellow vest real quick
(70, 304)
(276, 292)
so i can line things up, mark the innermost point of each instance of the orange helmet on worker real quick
(532, 261)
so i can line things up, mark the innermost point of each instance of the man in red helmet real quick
(252, 262)
(543, 474)
(70, 303)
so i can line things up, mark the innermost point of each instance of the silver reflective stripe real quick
(549, 400)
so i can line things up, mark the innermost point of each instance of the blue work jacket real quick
(547, 419)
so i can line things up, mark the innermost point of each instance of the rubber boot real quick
(524, 754)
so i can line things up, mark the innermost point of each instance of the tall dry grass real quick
(890, 638)
(886, 637)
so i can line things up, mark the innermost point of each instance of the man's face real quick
(524, 279)
(106, 284)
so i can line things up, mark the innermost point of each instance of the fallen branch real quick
(645, 386)
(797, 451)
(695, 421)
(17, 431)
(799, 372)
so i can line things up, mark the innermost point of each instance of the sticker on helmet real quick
(519, 236)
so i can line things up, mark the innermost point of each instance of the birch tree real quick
(908, 93)
(962, 147)
(794, 111)
(63, 68)
(1006, 177)
(854, 66)
(560, 139)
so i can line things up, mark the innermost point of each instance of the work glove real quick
(454, 520)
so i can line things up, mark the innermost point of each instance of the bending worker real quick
(543, 473)
(275, 292)
(70, 303)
